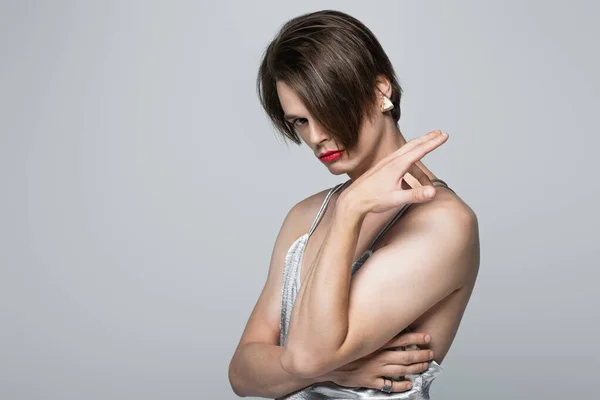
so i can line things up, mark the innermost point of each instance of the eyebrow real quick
(290, 116)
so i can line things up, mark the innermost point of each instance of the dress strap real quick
(324, 205)
(399, 214)
(444, 184)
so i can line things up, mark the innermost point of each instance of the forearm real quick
(257, 372)
(319, 321)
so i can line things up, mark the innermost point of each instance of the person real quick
(369, 306)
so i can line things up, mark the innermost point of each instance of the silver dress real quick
(291, 283)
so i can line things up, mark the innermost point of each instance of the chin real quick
(338, 169)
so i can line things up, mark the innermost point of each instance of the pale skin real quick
(420, 276)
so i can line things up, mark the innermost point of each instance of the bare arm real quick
(255, 368)
(257, 372)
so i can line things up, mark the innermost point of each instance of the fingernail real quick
(430, 354)
(427, 338)
(428, 192)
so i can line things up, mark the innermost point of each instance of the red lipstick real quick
(331, 155)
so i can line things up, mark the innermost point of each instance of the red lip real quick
(329, 152)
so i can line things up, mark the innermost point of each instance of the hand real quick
(382, 187)
(386, 362)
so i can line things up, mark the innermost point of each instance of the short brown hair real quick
(331, 60)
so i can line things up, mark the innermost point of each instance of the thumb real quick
(419, 194)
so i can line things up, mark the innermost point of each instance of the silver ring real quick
(386, 388)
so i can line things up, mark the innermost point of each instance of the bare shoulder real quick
(302, 214)
(296, 223)
(445, 208)
(447, 217)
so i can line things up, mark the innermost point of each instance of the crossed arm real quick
(336, 320)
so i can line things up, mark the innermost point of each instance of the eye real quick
(296, 122)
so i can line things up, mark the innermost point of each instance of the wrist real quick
(351, 205)
(331, 376)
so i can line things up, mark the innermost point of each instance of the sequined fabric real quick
(291, 284)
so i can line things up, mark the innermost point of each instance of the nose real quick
(317, 133)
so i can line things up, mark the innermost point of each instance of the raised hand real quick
(381, 187)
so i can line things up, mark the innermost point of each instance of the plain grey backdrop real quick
(143, 188)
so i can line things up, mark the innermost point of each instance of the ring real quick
(386, 388)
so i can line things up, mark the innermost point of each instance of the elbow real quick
(235, 382)
(301, 363)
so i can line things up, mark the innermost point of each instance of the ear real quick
(383, 87)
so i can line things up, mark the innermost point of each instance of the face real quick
(321, 142)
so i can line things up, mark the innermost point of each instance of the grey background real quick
(143, 188)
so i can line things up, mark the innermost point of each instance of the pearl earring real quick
(387, 105)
